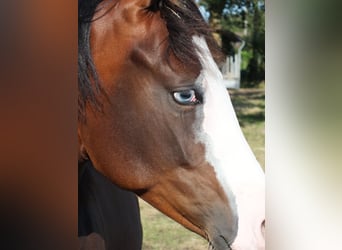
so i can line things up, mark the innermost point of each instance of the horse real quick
(155, 120)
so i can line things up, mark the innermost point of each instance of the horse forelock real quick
(183, 21)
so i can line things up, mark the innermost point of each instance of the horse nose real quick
(260, 235)
(252, 224)
(263, 228)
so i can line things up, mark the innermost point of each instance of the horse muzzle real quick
(242, 225)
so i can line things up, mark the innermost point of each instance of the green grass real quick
(162, 233)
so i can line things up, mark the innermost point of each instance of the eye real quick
(187, 97)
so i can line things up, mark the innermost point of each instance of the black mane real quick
(86, 68)
(183, 21)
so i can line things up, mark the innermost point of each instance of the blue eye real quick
(186, 97)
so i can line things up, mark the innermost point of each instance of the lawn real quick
(162, 233)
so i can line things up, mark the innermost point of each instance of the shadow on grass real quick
(249, 105)
(246, 119)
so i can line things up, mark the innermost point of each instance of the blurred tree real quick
(232, 19)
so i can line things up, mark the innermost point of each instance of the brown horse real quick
(155, 119)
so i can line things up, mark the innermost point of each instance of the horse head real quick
(156, 119)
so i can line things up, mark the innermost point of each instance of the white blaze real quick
(228, 152)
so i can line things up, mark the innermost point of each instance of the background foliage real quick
(246, 19)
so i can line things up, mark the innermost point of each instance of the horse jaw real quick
(227, 151)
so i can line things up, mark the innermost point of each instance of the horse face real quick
(169, 132)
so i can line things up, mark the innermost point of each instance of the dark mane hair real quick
(183, 20)
(86, 68)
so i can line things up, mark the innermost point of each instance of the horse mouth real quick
(219, 243)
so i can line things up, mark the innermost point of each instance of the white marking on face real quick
(228, 152)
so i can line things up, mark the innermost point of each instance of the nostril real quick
(263, 226)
